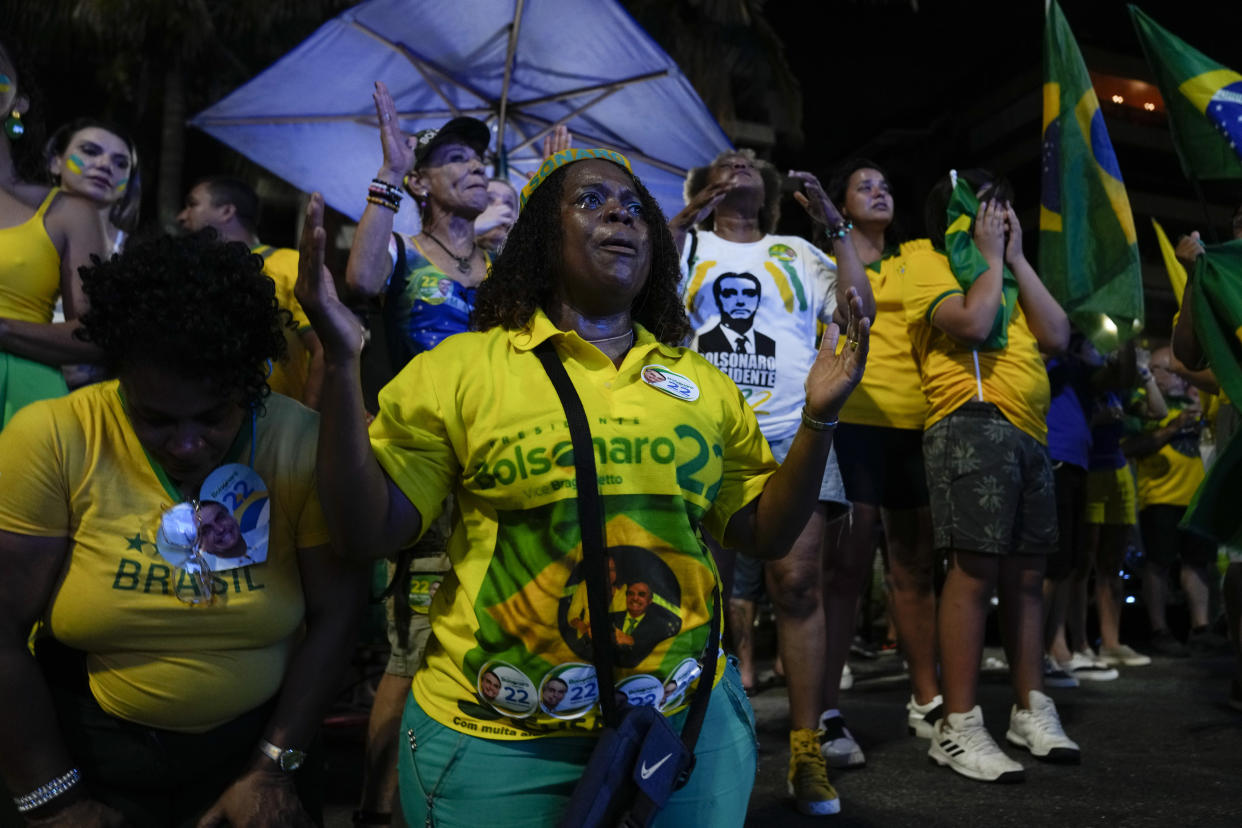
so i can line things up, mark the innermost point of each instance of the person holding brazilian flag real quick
(978, 317)
(1204, 100)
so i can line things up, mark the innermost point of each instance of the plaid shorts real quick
(989, 485)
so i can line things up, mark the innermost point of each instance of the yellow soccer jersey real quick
(1011, 378)
(1172, 475)
(891, 392)
(288, 375)
(510, 657)
(72, 467)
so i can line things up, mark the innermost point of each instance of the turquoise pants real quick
(450, 778)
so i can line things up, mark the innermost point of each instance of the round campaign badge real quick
(569, 691)
(679, 681)
(642, 689)
(507, 689)
(234, 517)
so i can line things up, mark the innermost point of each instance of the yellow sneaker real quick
(808, 775)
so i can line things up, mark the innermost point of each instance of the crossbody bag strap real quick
(591, 520)
(594, 561)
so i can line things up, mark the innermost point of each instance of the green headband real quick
(569, 156)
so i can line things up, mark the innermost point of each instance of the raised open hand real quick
(338, 329)
(815, 201)
(833, 376)
(557, 140)
(398, 156)
(701, 205)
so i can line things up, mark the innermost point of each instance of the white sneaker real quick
(921, 718)
(837, 744)
(1123, 656)
(962, 743)
(847, 678)
(1039, 731)
(1085, 667)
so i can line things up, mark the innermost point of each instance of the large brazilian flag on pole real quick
(1088, 251)
(1204, 101)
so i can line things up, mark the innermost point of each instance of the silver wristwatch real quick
(287, 759)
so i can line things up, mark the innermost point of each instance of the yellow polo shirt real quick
(477, 416)
(1012, 378)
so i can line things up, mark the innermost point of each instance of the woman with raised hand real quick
(45, 236)
(590, 271)
(427, 281)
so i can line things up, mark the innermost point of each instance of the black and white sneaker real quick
(962, 743)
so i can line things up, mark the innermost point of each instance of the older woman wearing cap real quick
(427, 284)
(427, 281)
(591, 269)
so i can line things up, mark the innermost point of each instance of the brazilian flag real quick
(1217, 302)
(967, 262)
(1204, 101)
(1088, 251)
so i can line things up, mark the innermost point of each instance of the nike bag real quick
(632, 772)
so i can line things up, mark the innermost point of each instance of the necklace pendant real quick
(463, 265)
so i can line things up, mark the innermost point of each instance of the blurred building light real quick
(1149, 106)
(1118, 99)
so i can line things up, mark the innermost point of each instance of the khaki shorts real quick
(409, 631)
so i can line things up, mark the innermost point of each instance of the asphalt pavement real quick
(1160, 747)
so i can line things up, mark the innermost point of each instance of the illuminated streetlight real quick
(1118, 99)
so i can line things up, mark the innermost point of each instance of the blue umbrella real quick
(523, 66)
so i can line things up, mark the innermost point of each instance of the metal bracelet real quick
(817, 425)
(45, 793)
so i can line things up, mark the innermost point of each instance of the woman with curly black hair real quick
(588, 278)
(168, 680)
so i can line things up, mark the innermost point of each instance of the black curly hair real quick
(523, 279)
(193, 304)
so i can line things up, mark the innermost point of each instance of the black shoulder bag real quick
(639, 760)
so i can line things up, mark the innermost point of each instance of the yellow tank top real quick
(29, 268)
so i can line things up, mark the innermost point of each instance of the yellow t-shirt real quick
(1011, 378)
(72, 467)
(288, 375)
(891, 392)
(497, 438)
(1172, 475)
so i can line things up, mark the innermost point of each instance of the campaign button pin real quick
(670, 382)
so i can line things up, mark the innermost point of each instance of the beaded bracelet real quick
(383, 202)
(392, 188)
(817, 425)
(45, 793)
(840, 231)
